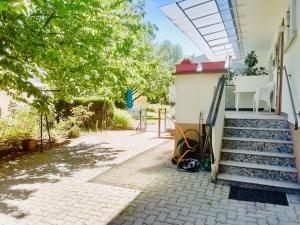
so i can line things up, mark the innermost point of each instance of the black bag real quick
(189, 165)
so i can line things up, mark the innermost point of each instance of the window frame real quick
(291, 24)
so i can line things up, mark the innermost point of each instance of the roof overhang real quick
(210, 24)
(262, 20)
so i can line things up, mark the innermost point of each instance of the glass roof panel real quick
(215, 35)
(218, 48)
(208, 20)
(190, 3)
(209, 24)
(217, 42)
(213, 28)
(221, 52)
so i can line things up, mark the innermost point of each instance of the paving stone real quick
(170, 198)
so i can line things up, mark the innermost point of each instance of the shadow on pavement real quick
(48, 166)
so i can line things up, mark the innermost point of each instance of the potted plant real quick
(29, 144)
(26, 123)
(251, 69)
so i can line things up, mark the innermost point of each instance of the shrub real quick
(73, 132)
(122, 120)
(22, 124)
(103, 111)
(70, 126)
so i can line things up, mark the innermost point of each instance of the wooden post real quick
(140, 120)
(41, 119)
(145, 120)
(48, 130)
(165, 111)
(159, 116)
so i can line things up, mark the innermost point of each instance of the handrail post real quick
(213, 112)
(165, 122)
(292, 100)
(159, 117)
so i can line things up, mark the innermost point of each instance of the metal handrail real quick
(214, 108)
(213, 113)
(292, 100)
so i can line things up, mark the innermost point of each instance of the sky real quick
(167, 30)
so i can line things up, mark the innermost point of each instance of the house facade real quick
(254, 148)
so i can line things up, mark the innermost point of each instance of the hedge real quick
(103, 110)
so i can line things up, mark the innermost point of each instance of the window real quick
(291, 24)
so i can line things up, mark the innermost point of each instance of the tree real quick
(78, 47)
(155, 79)
(170, 53)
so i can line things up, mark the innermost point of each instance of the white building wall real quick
(292, 63)
(194, 94)
(4, 103)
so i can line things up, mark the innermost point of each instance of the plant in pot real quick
(251, 69)
(28, 143)
(25, 125)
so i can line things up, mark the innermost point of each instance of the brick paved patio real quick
(89, 182)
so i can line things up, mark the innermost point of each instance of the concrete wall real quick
(292, 62)
(194, 94)
(4, 103)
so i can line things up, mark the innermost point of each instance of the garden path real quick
(34, 186)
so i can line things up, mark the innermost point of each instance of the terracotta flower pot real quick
(29, 144)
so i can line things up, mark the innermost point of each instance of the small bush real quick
(102, 109)
(22, 124)
(73, 132)
(122, 120)
(70, 126)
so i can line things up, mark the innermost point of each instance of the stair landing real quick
(252, 115)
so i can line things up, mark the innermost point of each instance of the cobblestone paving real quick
(52, 187)
(174, 197)
(92, 184)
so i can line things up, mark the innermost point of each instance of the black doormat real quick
(254, 195)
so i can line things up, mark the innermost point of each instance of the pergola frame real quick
(229, 36)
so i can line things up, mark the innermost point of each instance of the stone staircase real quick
(258, 153)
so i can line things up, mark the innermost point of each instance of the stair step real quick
(258, 133)
(269, 158)
(258, 144)
(271, 172)
(258, 166)
(259, 123)
(258, 128)
(258, 140)
(259, 183)
(271, 154)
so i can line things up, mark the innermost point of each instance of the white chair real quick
(264, 93)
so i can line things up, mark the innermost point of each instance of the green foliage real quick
(22, 124)
(251, 61)
(102, 111)
(73, 132)
(170, 53)
(70, 126)
(122, 120)
(78, 47)
(230, 75)
(156, 81)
